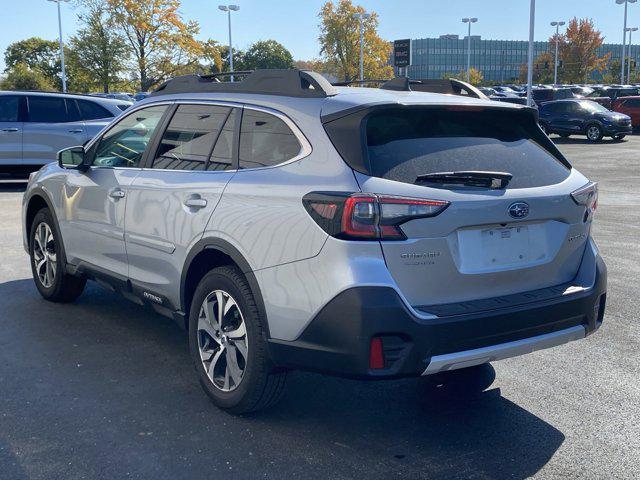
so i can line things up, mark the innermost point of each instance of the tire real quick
(468, 381)
(48, 261)
(618, 137)
(594, 132)
(249, 384)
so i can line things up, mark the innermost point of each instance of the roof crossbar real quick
(283, 82)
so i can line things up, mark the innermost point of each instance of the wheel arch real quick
(36, 201)
(209, 253)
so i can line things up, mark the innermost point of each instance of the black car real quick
(583, 117)
(543, 95)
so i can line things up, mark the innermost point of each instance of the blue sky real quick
(294, 23)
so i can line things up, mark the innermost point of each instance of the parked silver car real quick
(34, 126)
(287, 223)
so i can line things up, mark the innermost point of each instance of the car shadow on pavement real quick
(103, 388)
(584, 141)
(12, 185)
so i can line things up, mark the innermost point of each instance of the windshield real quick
(593, 107)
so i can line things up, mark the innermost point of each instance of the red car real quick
(629, 106)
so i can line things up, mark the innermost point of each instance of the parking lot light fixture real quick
(630, 30)
(63, 73)
(229, 9)
(361, 18)
(469, 21)
(624, 35)
(555, 61)
(532, 22)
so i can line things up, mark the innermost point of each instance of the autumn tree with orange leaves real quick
(161, 43)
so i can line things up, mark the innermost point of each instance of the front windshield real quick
(593, 107)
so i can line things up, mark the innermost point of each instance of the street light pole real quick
(361, 18)
(555, 62)
(532, 21)
(229, 9)
(624, 36)
(64, 73)
(630, 30)
(469, 21)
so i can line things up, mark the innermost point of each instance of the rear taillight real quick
(364, 216)
(587, 196)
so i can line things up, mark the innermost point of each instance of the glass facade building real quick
(498, 60)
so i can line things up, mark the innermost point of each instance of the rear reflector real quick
(376, 354)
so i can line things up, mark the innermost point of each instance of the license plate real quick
(506, 246)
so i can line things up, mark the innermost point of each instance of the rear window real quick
(402, 143)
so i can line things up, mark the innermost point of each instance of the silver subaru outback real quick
(290, 224)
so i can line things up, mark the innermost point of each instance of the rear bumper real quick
(338, 339)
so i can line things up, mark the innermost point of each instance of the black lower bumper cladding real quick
(338, 339)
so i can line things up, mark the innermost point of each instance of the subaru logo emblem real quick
(519, 209)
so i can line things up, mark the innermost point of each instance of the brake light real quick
(364, 216)
(587, 196)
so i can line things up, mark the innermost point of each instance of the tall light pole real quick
(229, 9)
(361, 18)
(624, 36)
(630, 30)
(64, 72)
(555, 62)
(532, 22)
(469, 21)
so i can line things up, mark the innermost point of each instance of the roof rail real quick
(359, 82)
(284, 82)
(451, 86)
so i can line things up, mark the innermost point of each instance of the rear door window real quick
(47, 109)
(265, 140)
(9, 107)
(404, 143)
(189, 139)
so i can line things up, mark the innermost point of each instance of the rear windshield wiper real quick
(471, 178)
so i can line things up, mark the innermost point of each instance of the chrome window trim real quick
(305, 146)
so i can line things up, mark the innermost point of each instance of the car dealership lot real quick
(105, 389)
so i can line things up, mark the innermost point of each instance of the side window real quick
(9, 108)
(92, 111)
(222, 156)
(189, 139)
(124, 144)
(47, 109)
(265, 140)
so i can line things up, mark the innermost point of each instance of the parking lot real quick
(104, 388)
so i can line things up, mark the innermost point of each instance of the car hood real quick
(612, 116)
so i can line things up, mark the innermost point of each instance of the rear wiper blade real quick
(472, 178)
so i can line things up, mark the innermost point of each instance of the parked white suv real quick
(287, 223)
(34, 126)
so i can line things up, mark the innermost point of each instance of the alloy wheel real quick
(44, 255)
(222, 340)
(593, 132)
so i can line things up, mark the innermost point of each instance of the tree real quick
(475, 76)
(97, 55)
(160, 41)
(37, 55)
(579, 52)
(340, 42)
(542, 69)
(22, 77)
(267, 54)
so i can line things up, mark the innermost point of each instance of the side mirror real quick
(72, 158)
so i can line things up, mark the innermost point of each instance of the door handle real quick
(10, 129)
(195, 203)
(76, 130)
(116, 193)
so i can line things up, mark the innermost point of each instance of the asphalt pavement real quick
(104, 389)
